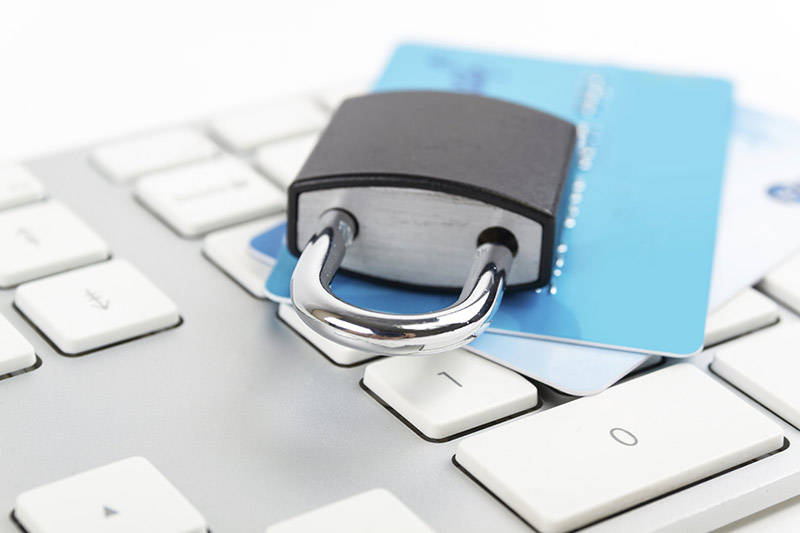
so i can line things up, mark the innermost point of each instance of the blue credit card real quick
(633, 264)
(569, 368)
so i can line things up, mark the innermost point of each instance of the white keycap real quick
(748, 312)
(580, 462)
(766, 366)
(202, 197)
(18, 186)
(16, 353)
(96, 306)
(374, 511)
(229, 250)
(448, 393)
(247, 129)
(783, 282)
(44, 238)
(282, 160)
(129, 496)
(126, 160)
(341, 355)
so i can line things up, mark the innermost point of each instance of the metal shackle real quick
(389, 333)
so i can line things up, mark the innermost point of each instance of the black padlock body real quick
(424, 173)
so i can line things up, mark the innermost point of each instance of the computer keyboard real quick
(146, 383)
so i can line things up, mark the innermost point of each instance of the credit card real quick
(633, 265)
(762, 183)
(760, 213)
(568, 368)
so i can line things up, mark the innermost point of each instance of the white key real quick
(129, 496)
(18, 186)
(766, 366)
(16, 353)
(229, 250)
(580, 462)
(748, 312)
(44, 238)
(783, 282)
(374, 511)
(247, 129)
(96, 306)
(339, 354)
(127, 160)
(448, 393)
(282, 160)
(206, 196)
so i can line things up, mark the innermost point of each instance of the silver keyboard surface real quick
(250, 422)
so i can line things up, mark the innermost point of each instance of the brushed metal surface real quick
(421, 237)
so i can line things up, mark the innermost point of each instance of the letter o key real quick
(623, 436)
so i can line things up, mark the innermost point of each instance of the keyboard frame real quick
(251, 423)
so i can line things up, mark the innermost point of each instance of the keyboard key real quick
(783, 283)
(369, 512)
(748, 312)
(16, 353)
(245, 130)
(206, 196)
(282, 160)
(127, 160)
(126, 496)
(449, 393)
(42, 239)
(583, 461)
(766, 366)
(18, 186)
(339, 354)
(229, 250)
(93, 307)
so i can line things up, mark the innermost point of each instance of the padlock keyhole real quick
(499, 235)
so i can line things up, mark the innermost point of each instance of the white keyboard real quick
(146, 384)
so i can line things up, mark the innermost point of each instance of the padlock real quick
(426, 189)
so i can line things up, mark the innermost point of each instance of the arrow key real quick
(129, 495)
(96, 306)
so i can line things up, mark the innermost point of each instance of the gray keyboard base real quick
(250, 422)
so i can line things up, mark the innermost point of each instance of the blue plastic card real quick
(633, 265)
(763, 160)
(569, 368)
(267, 246)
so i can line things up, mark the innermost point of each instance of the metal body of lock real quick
(427, 189)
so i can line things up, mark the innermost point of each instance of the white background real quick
(77, 71)
(80, 71)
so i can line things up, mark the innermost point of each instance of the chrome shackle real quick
(388, 333)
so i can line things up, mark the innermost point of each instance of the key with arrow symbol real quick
(96, 299)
